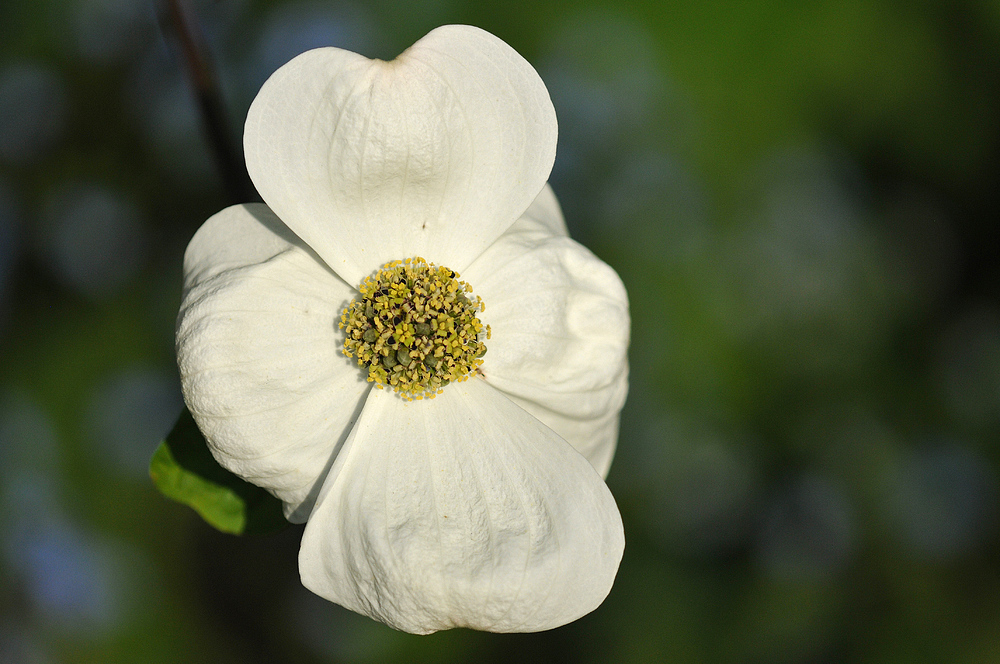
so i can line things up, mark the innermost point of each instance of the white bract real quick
(469, 491)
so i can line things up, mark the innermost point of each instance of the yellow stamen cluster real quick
(415, 328)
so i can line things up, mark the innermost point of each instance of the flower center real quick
(415, 328)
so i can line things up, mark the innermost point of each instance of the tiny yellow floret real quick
(415, 328)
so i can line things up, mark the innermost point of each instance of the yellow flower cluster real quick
(415, 328)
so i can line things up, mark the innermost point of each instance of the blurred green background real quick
(801, 199)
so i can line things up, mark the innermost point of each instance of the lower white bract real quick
(484, 506)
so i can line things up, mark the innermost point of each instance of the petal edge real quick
(461, 511)
(433, 154)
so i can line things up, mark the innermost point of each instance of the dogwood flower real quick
(445, 446)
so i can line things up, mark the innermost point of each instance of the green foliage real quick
(184, 470)
(800, 199)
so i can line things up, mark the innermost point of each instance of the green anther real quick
(415, 328)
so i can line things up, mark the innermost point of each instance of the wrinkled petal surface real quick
(546, 213)
(595, 438)
(259, 354)
(560, 330)
(433, 154)
(461, 511)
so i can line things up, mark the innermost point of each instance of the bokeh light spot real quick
(33, 109)
(130, 414)
(96, 239)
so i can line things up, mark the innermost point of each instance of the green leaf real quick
(184, 470)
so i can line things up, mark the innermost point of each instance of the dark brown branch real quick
(202, 75)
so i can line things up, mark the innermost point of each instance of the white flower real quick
(485, 506)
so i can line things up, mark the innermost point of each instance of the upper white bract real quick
(484, 507)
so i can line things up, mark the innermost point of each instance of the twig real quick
(213, 112)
